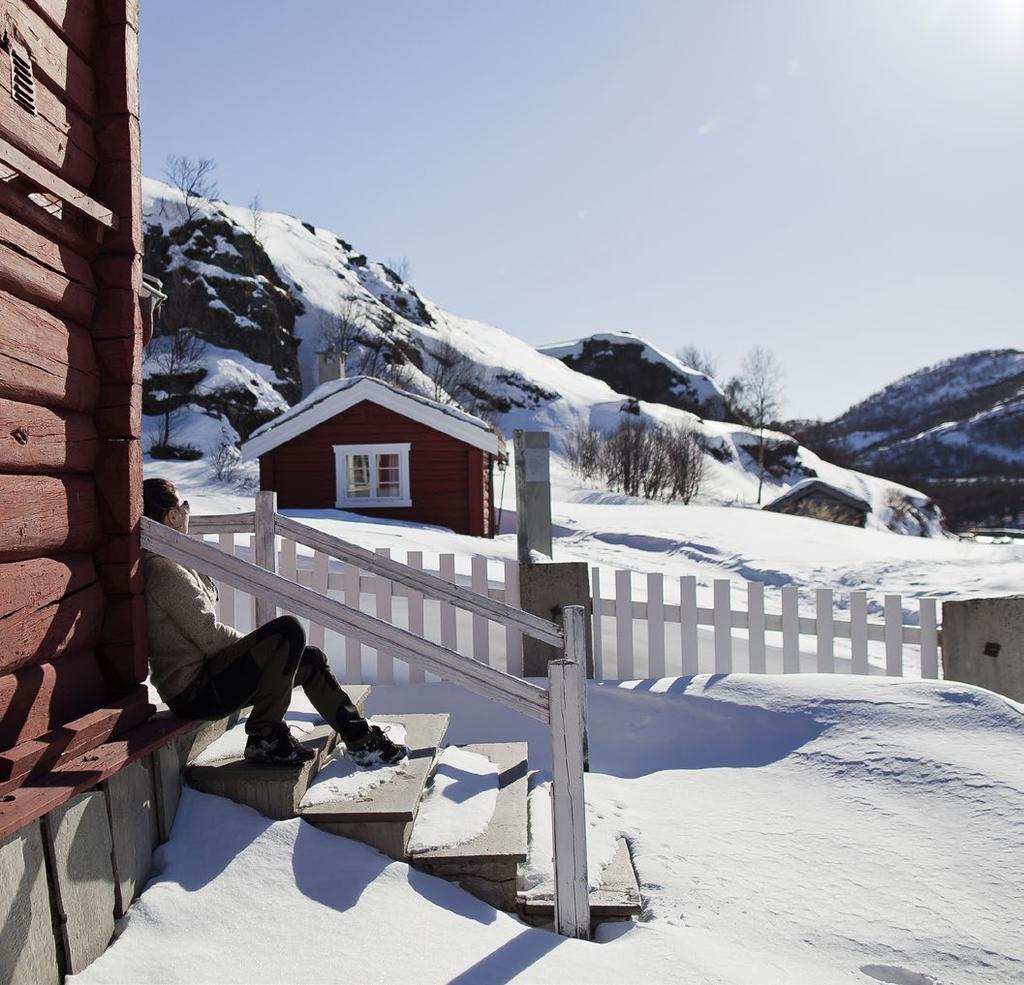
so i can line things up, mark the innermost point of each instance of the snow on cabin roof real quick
(332, 398)
(807, 487)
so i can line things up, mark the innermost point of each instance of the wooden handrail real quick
(422, 581)
(477, 677)
(222, 523)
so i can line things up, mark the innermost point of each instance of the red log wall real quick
(72, 641)
(448, 479)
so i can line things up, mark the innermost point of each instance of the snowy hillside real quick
(633, 366)
(962, 417)
(264, 290)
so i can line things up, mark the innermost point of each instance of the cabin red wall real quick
(447, 478)
(72, 641)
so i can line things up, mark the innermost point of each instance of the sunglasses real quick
(183, 506)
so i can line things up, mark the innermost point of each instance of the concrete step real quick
(383, 815)
(487, 865)
(616, 898)
(274, 791)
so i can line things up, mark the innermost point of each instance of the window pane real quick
(358, 476)
(389, 484)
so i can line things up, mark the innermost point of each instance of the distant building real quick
(360, 444)
(819, 499)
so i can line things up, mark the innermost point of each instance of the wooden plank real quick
(655, 625)
(481, 627)
(226, 542)
(39, 285)
(859, 632)
(689, 644)
(625, 669)
(597, 615)
(264, 552)
(42, 515)
(53, 59)
(568, 799)
(894, 635)
(45, 360)
(495, 684)
(45, 180)
(790, 630)
(226, 523)
(42, 697)
(321, 570)
(37, 440)
(513, 635)
(430, 585)
(723, 626)
(823, 607)
(57, 746)
(929, 639)
(383, 610)
(415, 610)
(57, 137)
(449, 627)
(48, 606)
(40, 247)
(756, 627)
(353, 647)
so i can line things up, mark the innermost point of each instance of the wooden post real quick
(532, 452)
(265, 550)
(568, 806)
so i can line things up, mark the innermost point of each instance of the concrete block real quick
(133, 828)
(543, 590)
(78, 842)
(28, 949)
(168, 777)
(983, 644)
(532, 456)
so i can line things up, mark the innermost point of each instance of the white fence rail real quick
(644, 625)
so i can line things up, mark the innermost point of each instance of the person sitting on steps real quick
(205, 670)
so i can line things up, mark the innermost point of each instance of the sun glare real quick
(1008, 21)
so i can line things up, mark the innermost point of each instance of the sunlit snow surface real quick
(806, 829)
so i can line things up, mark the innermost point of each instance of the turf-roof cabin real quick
(359, 444)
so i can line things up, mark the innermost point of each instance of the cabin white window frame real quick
(342, 454)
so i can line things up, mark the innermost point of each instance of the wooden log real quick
(119, 563)
(42, 697)
(74, 20)
(56, 136)
(37, 440)
(70, 228)
(119, 12)
(38, 635)
(38, 284)
(42, 515)
(119, 486)
(120, 359)
(119, 411)
(119, 271)
(45, 360)
(41, 248)
(117, 314)
(117, 69)
(53, 59)
(66, 742)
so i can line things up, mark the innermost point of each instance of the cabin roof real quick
(336, 396)
(812, 487)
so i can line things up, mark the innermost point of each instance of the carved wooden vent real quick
(23, 83)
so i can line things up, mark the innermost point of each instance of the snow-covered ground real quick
(799, 831)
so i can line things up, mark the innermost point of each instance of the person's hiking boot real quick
(375, 748)
(274, 745)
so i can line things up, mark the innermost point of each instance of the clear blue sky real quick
(840, 180)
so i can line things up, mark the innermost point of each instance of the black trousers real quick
(261, 669)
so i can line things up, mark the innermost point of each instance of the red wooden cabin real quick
(359, 444)
(72, 623)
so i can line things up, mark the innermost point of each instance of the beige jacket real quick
(182, 620)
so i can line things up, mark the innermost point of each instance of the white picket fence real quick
(644, 625)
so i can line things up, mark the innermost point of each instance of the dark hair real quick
(158, 496)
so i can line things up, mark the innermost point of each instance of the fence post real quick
(567, 680)
(265, 550)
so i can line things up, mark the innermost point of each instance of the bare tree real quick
(342, 329)
(452, 373)
(401, 267)
(759, 396)
(180, 353)
(583, 450)
(702, 360)
(687, 465)
(257, 221)
(193, 178)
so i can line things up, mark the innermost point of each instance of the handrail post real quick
(265, 550)
(567, 681)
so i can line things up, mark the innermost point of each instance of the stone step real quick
(274, 791)
(616, 898)
(487, 865)
(383, 815)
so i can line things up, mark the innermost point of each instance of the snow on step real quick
(383, 815)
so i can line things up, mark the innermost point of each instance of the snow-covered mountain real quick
(633, 366)
(962, 418)
(264, 291)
